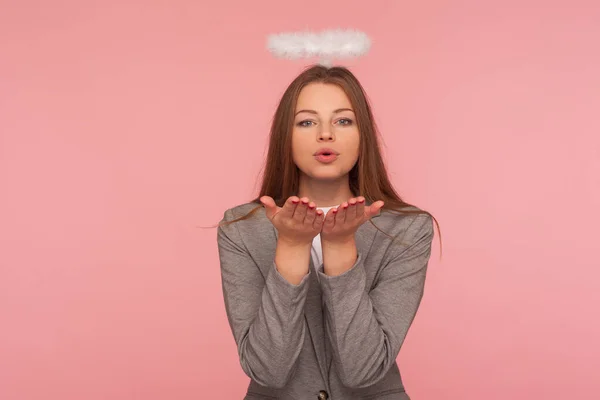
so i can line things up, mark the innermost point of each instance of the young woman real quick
(324, 271)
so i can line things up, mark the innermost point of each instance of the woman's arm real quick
(266, 316)
(367, 329)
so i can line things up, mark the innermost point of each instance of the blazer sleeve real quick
(265, 314)
(367, 328)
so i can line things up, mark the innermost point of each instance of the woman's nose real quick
(325, 135)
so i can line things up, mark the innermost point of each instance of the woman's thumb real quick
(269, 204)
(376, 206)
(267, 201)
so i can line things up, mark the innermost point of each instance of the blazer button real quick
(323, 395)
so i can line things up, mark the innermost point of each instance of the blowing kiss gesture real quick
(300, 219)
(298, 222)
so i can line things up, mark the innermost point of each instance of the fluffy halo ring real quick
(327, 45)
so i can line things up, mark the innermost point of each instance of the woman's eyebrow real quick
(314, 112)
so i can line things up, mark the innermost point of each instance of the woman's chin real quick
(326, 175)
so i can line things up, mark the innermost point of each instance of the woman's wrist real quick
(338, 242)
(292, 259)
(338, 256)
(294, 243)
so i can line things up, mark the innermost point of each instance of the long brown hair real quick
(368, 177)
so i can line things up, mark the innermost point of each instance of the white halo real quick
(327, 45)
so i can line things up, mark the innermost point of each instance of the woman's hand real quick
(297, 222)
(341, 223)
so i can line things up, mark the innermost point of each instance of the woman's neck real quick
(325, 193)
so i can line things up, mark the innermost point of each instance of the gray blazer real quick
(333, 337)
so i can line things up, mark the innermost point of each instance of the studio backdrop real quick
(127, 126)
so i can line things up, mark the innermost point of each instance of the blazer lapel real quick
(313, 313)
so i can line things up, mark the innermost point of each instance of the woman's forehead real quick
(323, 97)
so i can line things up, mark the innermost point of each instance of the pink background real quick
(125, 125)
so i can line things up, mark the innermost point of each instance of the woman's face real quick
(324, 119)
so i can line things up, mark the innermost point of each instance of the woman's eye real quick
(345, 121)
(305, 123)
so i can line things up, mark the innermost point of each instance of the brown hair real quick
(368, 177)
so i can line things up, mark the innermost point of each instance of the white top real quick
(316, 250)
